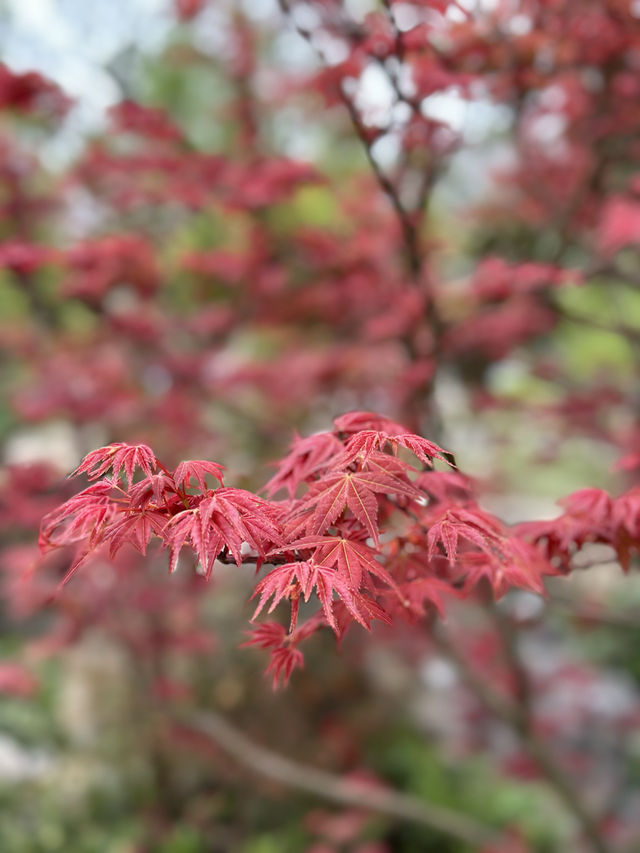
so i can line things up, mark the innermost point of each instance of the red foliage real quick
(15, 680)
(31, 93)
(202, 308)
(356, 494)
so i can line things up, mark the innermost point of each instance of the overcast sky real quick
(74, 42)
(71, 41)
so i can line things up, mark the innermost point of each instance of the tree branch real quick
(520, 722)
(405, 219)
(342, 791)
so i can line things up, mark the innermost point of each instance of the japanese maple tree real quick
(430, 313)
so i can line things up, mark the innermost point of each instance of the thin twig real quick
(509, 639)
(405, 219)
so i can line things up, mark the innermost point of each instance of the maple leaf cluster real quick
(590, 516)
(362, 531)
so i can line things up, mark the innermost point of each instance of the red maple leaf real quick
(283, 661)
(156, 488)
(306, 458)
(353, 422)
(118, 457)
(285, 656)
(328, 498)
(354, 561)
(80, 518)
(135, 527)
(300, 578)
(456, 522)
(222, 520)
(363, 443)
(517, 564)
(197, 469)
